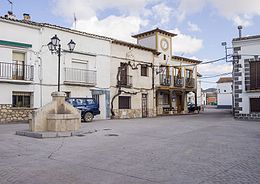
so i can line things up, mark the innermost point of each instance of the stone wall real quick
(131, 113)
(13, 114)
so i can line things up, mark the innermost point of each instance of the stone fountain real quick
(56, 119)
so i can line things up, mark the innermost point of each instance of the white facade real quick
(248, 51)
(83, 72)
(224, 95)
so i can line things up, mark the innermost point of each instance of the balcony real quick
(75, 76)
(16, 72)
(178, 81)
(165, 80)
(125, 81)
(190, 82)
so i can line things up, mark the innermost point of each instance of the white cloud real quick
(194, 27)
(214, 68)
(185, 44)
(188, 7)
(241, 12)
(162, 13)
(88, 8)
(133, 14)
(112, 26)
(238, 11)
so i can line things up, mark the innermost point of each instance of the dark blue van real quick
(88, 107)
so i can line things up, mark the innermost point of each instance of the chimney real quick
(26, 17)
(239, 31)
(10, 15)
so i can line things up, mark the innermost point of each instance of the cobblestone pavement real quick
(207, 148)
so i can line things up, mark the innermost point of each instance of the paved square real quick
(207, 148)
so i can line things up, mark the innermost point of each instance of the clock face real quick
(164, 44)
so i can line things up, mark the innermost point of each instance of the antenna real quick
(240, 31)
(75, 21)
(11, 5)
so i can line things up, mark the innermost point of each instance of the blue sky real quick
(201, 24)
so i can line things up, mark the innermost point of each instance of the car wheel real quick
(88, 117)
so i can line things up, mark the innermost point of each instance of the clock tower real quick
(157, 39)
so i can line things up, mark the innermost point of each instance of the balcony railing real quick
(165, 80)
(178, 81)
(125, 81)
(13, 71)
(190, 82)
(80, 76)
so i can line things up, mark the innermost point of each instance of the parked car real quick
(88, 107)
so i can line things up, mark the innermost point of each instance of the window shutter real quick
(257, 73)
(124, 102)
(253, 75)
(255, 104)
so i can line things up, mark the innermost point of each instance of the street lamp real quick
(52, 45)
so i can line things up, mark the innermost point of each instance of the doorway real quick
(179, 102)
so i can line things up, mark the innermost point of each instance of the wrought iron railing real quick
(190, 82)
(178, 81)
(125, 81)
(80, 76)
(165, 80)
(13, 71)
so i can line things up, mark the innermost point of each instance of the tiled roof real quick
(153, 31)
(80, 33)
(225, 80)
(135, 46)
(186, 59)
(247, 38)
(32, 23)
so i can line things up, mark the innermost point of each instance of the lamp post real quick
(55, 47)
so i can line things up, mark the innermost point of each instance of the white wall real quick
(21, 34)
(149, 42)
(248, 47)
(224, 94)
(95, 51)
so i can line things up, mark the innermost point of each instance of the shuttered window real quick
(124, 102)
(255, 75)
(255, 104)
(144, 70)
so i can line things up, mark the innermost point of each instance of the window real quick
(124, 102)
(18, 66)
(163, 99)
(144, 70)
(189, 73)
(90, 102)
(164, 57)
(255, 75)
(177, 72)
(21, 99)
(254, 104)
(225, 90)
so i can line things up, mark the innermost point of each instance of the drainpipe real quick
(154, 97)
(40, 78)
